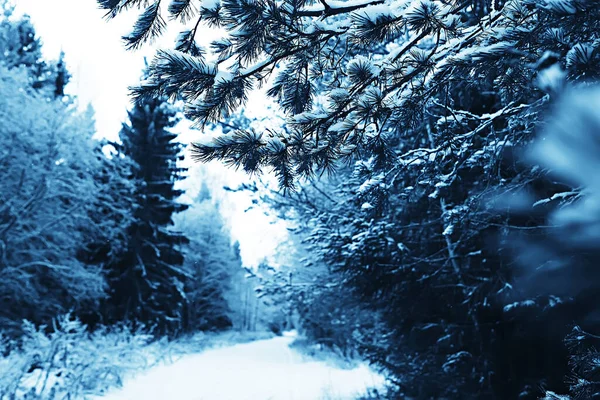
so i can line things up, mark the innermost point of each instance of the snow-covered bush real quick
(67, 362)
(47, 160)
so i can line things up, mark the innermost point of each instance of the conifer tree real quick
(148, 281)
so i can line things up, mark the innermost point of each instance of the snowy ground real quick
(260, 370)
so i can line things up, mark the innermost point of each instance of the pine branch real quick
(174, 73)
(186, 43)
(368, 31)
(248, 44)
(240, 149)
(224, 97)
(182, 10)
(279, 157)
(212, 16)
(111, 6)
(149, 26)
(332, 8)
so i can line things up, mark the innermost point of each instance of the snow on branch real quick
(148, 27)
(331, 7)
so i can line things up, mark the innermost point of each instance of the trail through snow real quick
(261, 370)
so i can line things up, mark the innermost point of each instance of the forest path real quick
(260, 370)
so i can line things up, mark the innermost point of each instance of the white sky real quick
(102, 72)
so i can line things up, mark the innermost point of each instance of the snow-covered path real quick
(261, 370)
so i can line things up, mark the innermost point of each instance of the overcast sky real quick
(102, 71)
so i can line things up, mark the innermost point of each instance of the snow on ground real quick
(260, 370)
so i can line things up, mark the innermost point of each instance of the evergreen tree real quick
(62, 76)
(148, 281)
(20, 44)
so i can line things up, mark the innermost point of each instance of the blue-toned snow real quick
(260, 370)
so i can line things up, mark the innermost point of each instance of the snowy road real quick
(260, 370)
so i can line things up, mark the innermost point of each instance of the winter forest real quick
(300, 199)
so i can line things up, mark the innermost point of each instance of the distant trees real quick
(20, 47)
(86, 225)
(421, 108)
(215, 288)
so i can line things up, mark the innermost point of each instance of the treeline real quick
(87, 226)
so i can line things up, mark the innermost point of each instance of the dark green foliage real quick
(584, 364)
(177, 72)
(111, 215)
(21, 45)
(62, 77)
(113, 205)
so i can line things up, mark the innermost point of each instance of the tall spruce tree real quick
(148, 280)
